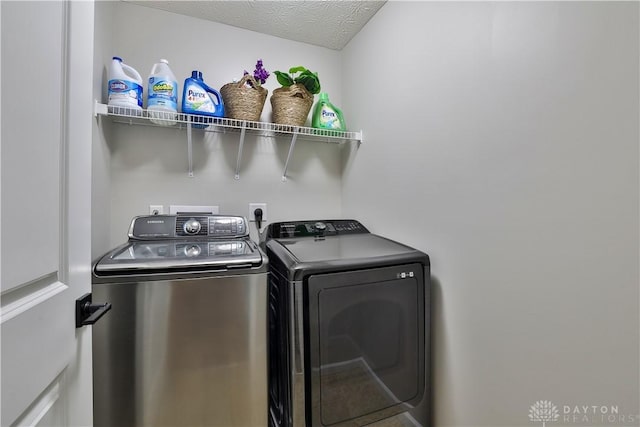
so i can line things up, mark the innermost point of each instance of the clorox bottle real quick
(125, 85)
(199, 98)
(162, 94)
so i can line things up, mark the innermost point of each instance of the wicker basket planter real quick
(242, 102)
(291, 105)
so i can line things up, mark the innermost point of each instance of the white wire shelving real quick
(189, 122)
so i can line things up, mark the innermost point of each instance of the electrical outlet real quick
(156, 209)
(253, 207)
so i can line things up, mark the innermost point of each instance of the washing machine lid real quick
(182, 255)
(344, 249)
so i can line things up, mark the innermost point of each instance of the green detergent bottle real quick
(327, 116)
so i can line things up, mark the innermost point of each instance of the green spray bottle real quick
(327, 116)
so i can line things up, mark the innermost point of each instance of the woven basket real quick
(291, 105)
(242, 102)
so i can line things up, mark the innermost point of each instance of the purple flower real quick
(260, 73)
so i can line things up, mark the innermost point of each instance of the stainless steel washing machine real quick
(185, 343)
(348, 327)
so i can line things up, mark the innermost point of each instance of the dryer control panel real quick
(314, 228)
(162, 227)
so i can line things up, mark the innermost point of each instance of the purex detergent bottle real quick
(199, 98)
(327, 116)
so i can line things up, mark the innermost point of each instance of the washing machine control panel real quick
(156, 227)
(314, 228)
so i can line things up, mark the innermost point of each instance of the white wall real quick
(101, 156)
(149, 165)
(502, 139)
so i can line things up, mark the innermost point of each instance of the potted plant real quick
(244, 100)
(292, 102)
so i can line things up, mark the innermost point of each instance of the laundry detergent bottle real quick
(198, 98)
(326, 115)
(162, 94)
(124, 86)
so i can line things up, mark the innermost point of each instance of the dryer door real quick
(366, 344)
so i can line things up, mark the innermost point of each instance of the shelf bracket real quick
(291, 147)
(242, 133)
(100, 109)
(190, 149)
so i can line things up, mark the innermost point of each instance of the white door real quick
(46, 91)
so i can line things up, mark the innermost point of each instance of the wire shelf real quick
(217, 124)
(192, 122)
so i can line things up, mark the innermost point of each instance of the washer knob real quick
(192, 226)
(320, 226)
(192, 251)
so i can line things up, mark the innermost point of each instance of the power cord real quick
(257, 215)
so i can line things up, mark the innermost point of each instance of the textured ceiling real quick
(328, 23)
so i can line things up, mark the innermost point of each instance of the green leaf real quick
(316, 88)
(297, 69)
(310, 81)
(307, 78)
(283, 78)
(307, 73)
(301, 79)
